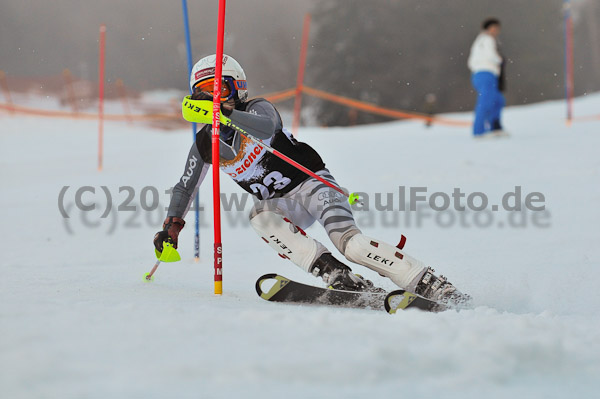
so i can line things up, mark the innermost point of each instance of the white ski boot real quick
(338, 276)
(439, 289)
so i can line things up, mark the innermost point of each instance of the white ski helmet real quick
(232, 70)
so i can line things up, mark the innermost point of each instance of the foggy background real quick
(392, 53)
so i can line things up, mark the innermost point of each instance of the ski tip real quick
(402, 300)
(260, 280)
(398, 299)
(279, 283)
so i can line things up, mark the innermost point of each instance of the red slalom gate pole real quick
(101, 96)
(215, 150)
(300, 79)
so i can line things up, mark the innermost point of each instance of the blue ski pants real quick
(489, 103)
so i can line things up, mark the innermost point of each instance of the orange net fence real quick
(77, 94)
(376, 109)
(83, 115)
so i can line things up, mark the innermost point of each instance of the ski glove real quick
(201, 111)
(204, 95)
(171, 228)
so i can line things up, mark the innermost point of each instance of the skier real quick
(290, 200)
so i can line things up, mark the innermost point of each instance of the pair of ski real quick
(284, 290)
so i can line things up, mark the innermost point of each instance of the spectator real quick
(485, 63)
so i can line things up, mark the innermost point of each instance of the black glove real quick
(205, 95)
(171, 228)
(225, 111)
(202, 95)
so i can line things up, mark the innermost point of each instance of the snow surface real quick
(76, 320)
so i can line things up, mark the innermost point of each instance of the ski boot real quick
(439, 289)
(338, 276)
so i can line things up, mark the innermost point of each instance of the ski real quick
(284, 290)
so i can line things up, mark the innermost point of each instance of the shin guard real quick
(386, 260)
(290, 241)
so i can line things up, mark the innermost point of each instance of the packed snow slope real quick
(77, 321)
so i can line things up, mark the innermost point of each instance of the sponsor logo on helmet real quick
(240, 84)
(204, 73)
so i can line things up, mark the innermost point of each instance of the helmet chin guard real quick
(205, 69)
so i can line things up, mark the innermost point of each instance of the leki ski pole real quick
(148, 276)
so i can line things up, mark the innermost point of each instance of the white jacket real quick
(484, 55)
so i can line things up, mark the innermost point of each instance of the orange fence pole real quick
(69, 87)
(6, 91)
(300, 79)
(123, 96)
(101, 96)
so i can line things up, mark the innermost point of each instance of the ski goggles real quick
(229, 87)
